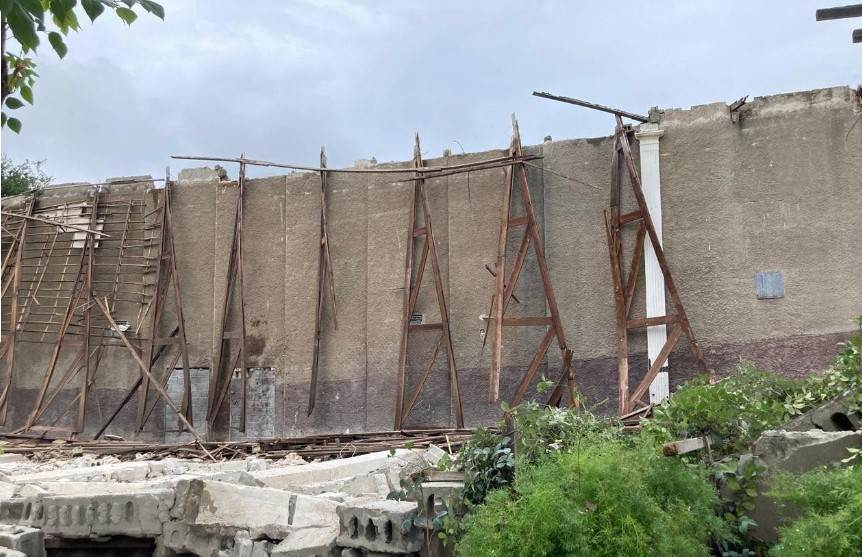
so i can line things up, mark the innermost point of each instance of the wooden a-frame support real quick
(13, 269)
(504, 288)
(626, 282)
(325, 285)
(167, 278)
(220, 377)
(419, 203)
(81, 300)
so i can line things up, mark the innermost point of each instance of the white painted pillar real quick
(649, 135)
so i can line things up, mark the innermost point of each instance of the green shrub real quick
(487, 462)
(734, 410)
(543, 431)
(604, 498)
(831, 524)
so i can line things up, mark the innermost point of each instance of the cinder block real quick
(379, 526)
(29, 541)
(136, 515)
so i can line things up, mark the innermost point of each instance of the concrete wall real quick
(777, 191)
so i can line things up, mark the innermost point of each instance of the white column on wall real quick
(648, 136)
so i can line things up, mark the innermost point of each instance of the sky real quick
(276, 79)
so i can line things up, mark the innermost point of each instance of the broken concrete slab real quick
(308, 542)
(834, 415)
(800, 451)
(6, 552)
(179, 537)
(796, 452)
(288, 477)
(29, 541)
(379, 526)
(128, 514)
(261, 510)
(197, 175)
(374, 485)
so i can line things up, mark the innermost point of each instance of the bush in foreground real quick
(831, 524)
(600, 499)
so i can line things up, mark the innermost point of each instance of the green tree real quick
(22, 178)
(29, 21)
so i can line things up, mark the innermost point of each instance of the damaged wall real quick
(774, 192)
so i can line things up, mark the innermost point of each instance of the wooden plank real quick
(620, 315)
(518, 221)
(841, 12)
(684, 446)
(162, 393)
(633, 216)
(652, 321)
(400, 378)
(499, 287)
(414, 395)
(634, 268)
(422, 327)
(663, 354)
(533, 368)
(520, 258)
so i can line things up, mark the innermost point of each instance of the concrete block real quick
(133, 514)
(117, 472)
(29, 541)
(244, 546)
(433, 454)
(834, 415)
(379, 526)
(435, 496)
(195, 175)
(234, 507)
(357, 486)
(12, 458)
(800, 451)
(222, 506)
(5, 552)
(351, 552)
(181, 538)
(308, 542)
(318, 472)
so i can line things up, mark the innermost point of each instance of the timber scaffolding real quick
(81, 241)
(107, 233)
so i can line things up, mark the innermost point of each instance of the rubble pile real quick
(252, 507)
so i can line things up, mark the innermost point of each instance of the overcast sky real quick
(278, 79)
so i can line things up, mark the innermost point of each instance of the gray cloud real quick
(277, 79)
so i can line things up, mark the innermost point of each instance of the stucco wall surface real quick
(777, 191)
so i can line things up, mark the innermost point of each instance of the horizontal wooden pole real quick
(594, 106)
(425, 327)
(651, 321)
(841, 12)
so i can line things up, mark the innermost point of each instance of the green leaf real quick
(93, 8)
(2, 119)
(127, 15)
(23, 28)
(14, 124)
(61, 7)
(27, 93)
(154, 8)
(57, 43)
(14, 102)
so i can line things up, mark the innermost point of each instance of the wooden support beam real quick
(841, 12)
(145, 370)
(412, 286)
(325, 277)
(684, 446)
(594, 106)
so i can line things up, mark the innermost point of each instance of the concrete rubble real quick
(818, 438)
(241, 508)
